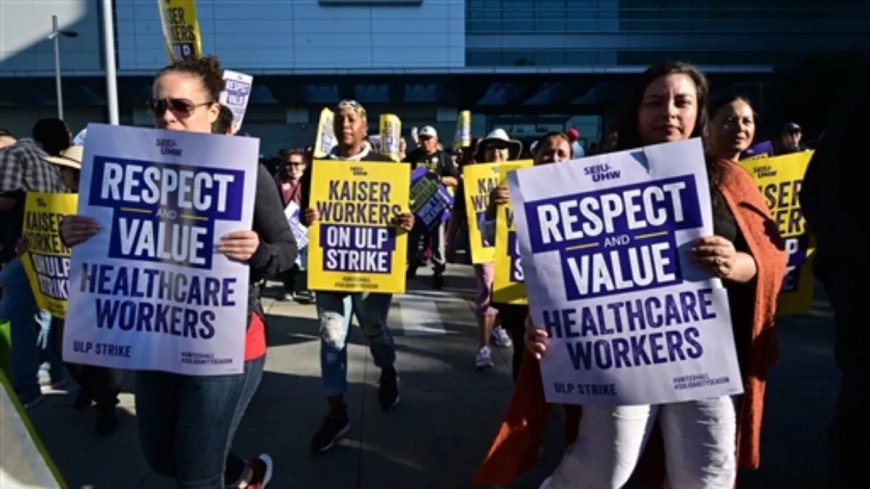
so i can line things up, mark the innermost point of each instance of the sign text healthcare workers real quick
(631, 320)
(150, 291)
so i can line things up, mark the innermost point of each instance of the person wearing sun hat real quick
(497, 141)
(69, 162)
(496, 147)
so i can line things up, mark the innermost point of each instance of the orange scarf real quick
(515, 447)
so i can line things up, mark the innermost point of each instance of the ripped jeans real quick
(334, 310)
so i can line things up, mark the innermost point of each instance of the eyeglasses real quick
(180, 107)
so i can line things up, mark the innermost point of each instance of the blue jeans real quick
(187, 423)
(30, 328)
(334, 310)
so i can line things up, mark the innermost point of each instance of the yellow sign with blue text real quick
(479, 180)
(46, 261)
(356, 246)
(779, 179)
(508, 285)
(180, 29)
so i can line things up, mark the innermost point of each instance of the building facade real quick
(527, 65)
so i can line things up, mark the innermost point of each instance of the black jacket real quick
(277, 251)
(440, 162)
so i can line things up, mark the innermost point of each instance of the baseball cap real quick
(573, 133)
(428, 132)
(790, 127)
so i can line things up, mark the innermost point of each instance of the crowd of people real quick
(187, 422)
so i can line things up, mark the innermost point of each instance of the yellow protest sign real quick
(390, 133)
(355, 247)
(325, 134)
(479, 180)
(462, 138)
(508, 285)
(180, 29)
(46, 261)
(779, 178)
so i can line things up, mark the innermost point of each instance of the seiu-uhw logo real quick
(168, 147)
(358, 171)
(764, 171)
(602, 172)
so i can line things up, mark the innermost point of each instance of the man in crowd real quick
(788, 140)
(289, 181)
(441, 167)
(23, 169)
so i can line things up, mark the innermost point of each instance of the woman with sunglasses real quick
(694, 444)
(187, 422)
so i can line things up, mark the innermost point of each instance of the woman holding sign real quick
(187, 422)
(552, 147)
(496, 147)
(335, 308)
(703, 440)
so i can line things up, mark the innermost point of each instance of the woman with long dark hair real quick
(703, 441)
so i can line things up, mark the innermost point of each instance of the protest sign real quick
(390, 135)
(236, 94)
(479, 180)
(150, 291)
(47, 259)
(779, 179)
(462, 138)
(508, 286)
(355, 247)
(325, 134)
(429, 199)
(300, 232)
(180, 29)
(605, 243)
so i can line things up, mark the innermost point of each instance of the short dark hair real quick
(224, 121)
(53, 134)
(5, 132)
(295, 152)
(626, 125)
(554, 134)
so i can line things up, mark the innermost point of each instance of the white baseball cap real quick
(428, 132)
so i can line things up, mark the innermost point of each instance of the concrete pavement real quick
(449, 411)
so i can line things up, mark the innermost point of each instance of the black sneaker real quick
(334, 426)
(107, 420)
(388, 388)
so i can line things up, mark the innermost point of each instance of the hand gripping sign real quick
(149, 291)
(605, 247)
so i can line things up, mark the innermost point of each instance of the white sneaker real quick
(501, 338)
(484, 358)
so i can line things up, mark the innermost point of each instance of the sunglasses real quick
(180, 107)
